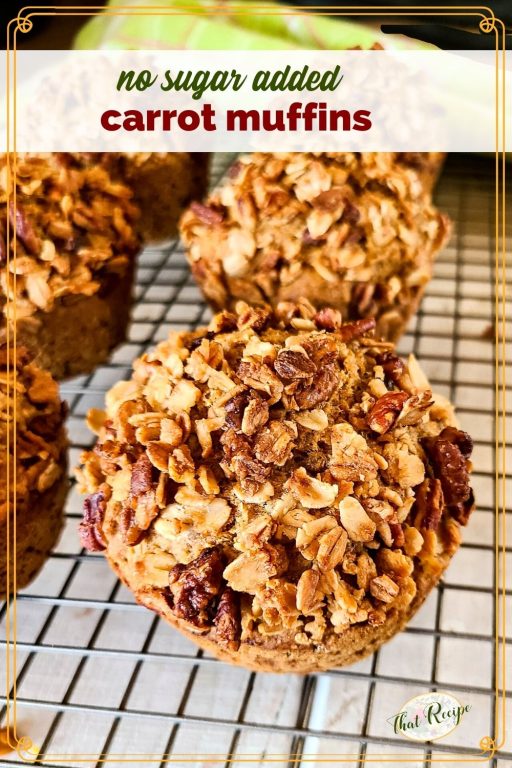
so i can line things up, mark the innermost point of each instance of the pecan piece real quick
(449, 453)
(256, 318)
(90, 531)
(428, 505)
(323, 386)
(397, 534)
(238, 452)
(385, 411)
(3, 245)
(24, 229)
(392, 366)
(328, 319)
(351, 213)
(207, 213)
(260, 377)
(349, 331)
(194, 587)
(330, 200)
(461, 511)
(234, 410)
(227, 620)
(294, 365)
(461, 439)
(132, 534)
(274, 444)
(142, 476)
(255, 416)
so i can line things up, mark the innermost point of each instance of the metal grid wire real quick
(98, 674)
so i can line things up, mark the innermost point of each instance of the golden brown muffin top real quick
(280, 473)
(32, 434)
(72, 224)
(352, 216)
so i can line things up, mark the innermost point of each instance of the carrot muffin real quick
(354, 231)
(33, 464)
(428, 166)
(67, 293)
(279, 486)
(163, 184)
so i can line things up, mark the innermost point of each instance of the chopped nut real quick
(142, 476)
(227, 620)
(392, 366)
(207, 213)
(322, 388)
(294, 365)
(385, 412)
(274, 444)
(255, 416)
(328, 319)
(90, 528)
(429, 505)
(260, 377)
(193, 587)
(131, 533)
(415, 408)
(349, 331)
(448, 453)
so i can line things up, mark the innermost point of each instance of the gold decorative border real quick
(489, 745)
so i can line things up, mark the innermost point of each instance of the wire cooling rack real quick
(97, 674)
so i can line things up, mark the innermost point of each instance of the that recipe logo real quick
(429, 716)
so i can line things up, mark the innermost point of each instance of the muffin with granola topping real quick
(33, 463)
(66, 259)
(355, 231)
(428, 166)
(163, 184)
(279, 486)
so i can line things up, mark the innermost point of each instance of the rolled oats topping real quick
(72, 225)
(258, 501)
(356, 233)
(31, 429)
